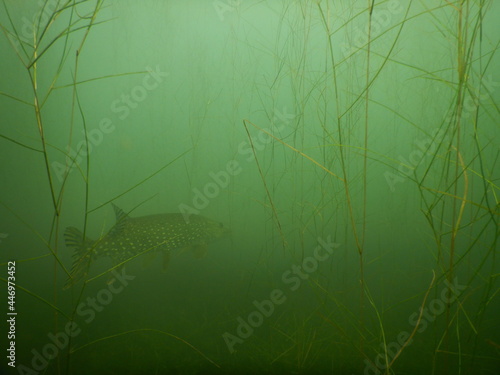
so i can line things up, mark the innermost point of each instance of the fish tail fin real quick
(82, 255)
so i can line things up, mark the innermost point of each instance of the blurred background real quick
(371, 126)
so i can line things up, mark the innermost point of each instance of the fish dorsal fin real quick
(121, 219)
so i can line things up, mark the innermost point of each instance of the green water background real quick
(364, 156)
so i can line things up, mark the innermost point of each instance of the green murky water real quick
(351, 147)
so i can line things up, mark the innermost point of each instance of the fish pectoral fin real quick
(200, 250)
(166, 260)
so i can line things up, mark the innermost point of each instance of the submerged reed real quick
(345, 137)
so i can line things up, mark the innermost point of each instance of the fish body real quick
(133, 236)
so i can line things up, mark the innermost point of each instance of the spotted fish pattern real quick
(134, 236)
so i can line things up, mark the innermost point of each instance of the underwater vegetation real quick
(352, 148)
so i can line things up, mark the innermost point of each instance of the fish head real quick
(212, 230)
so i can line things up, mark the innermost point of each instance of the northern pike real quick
(134, 236)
